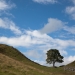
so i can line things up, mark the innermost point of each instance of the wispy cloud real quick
(38, 40)
(73, 1)
(46, 1)
(33, 54)
(4, 5)
(41, 62)
(8, 24)
(70, 10)
(70, 29)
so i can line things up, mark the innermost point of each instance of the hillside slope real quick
(15, 54)
(72, 64)
(12, 52)
(13, 62)
(9, 66)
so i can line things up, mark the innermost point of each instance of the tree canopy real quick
(54, 56)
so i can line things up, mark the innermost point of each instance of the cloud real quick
(27, 39)
(70, 10)
(55, 25)
(35, 39)
(46, 1)
(33, 54)
(52, 25)
(8, 24)
(70, 29)
(40, 62)
(5, 6)
(68, 60)
(73, 1)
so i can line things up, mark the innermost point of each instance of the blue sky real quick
(35, 26)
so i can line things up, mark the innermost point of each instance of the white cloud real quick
(38, 40)
(45, 1)
(5, 6)
(33, 54)
(70, 29)
(8, 24)
(28, 39)
(70, 10)
(55, 25)
(52, 25)
(68, 60)
(40, 62)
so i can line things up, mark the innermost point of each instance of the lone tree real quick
(54, 56)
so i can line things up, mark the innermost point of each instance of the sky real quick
(35, 26)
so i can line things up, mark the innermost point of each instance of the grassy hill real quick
(71, 64)
(13, 62)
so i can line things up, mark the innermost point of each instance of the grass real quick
(13, 62)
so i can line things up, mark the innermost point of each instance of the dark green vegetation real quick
(54, 56)
(13, 62)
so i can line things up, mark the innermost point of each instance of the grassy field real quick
(13, 62)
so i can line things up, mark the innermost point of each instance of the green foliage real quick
(53, 56)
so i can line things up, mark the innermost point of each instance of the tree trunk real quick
(53, 63)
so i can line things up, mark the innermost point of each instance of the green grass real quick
(13, 62)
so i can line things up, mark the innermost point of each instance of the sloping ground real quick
(13, 62)
(71, 64)
(12, 52)
(15, 54)
(9, 66)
